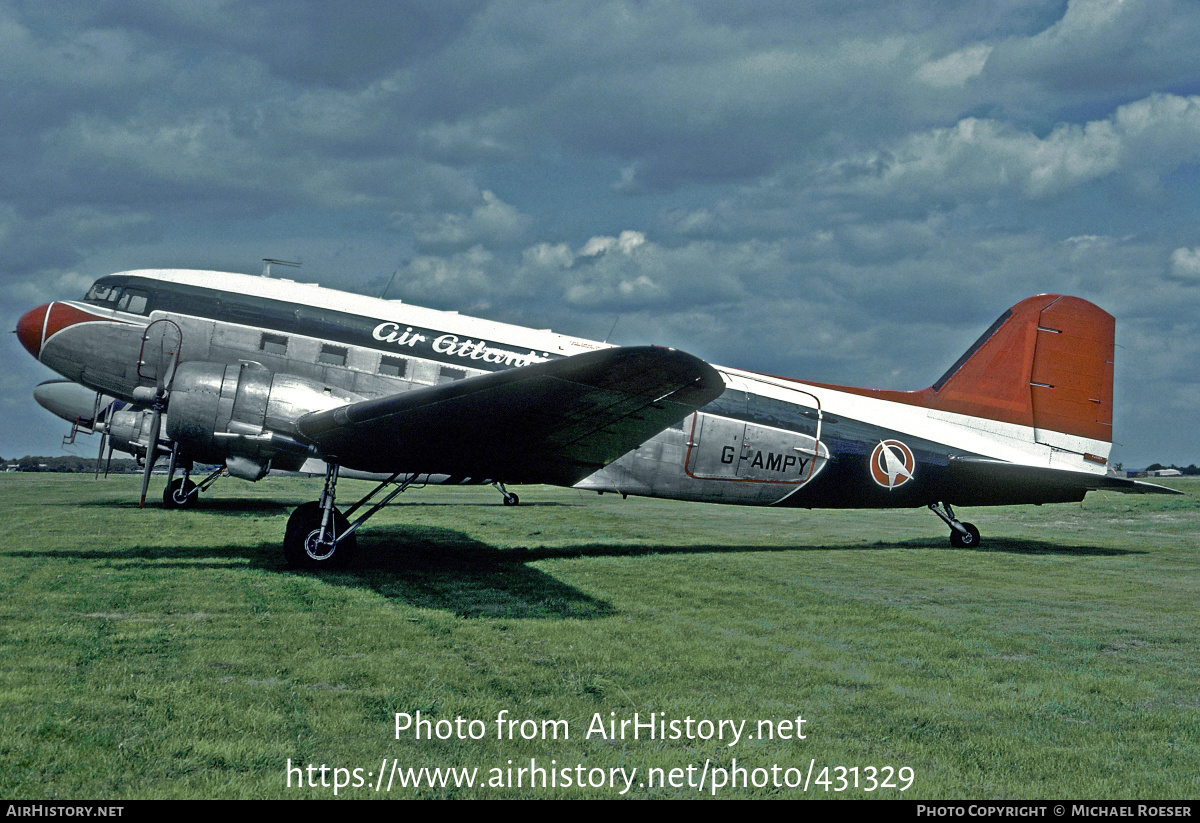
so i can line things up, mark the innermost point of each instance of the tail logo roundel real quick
(892, 464)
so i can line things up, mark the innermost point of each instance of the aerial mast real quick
(267, 261)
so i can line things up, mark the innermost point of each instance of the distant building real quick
(1155, 473)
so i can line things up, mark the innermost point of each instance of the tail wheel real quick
(970, 540)
(306, 547)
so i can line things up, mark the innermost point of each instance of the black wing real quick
(554, 422)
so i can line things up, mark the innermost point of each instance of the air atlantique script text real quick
(638, 726)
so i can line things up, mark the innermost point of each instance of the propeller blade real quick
(171, 367)
(100, 454)
(151, 452)
(164, 375)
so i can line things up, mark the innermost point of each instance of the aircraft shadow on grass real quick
(447, 570)
(214, 505)
(1007, 545)
(438, 568)
(235, 505)
(401, 548)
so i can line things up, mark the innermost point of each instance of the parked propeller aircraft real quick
(252, 374)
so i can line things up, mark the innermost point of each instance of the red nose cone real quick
(30, 328)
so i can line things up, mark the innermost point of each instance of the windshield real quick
(119, 297)
(100, 293)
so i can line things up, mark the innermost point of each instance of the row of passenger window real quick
(338, 355)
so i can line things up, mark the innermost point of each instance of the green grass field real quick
(157, 654)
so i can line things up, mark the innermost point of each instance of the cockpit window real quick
(133, 300)
(115, 296)
(100, 293)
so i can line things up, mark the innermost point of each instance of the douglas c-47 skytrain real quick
(252, 374)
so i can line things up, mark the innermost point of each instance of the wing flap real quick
(554, 422)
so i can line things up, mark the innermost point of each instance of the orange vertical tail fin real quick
(1046, 363)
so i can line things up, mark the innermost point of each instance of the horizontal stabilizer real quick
(1141, 487)
(979, 481)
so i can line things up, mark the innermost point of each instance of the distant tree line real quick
(67, 463)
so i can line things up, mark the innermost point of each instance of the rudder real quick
(1047, 363)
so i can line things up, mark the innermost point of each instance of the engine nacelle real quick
(129, 431)
(244, 415)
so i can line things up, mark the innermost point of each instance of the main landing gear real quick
(182, 493)
(319, 536)
(962, 535)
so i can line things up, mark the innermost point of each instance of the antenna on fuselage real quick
(267, 261)
(389, 285)
(616, 320)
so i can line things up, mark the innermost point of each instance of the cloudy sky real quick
(847, 191)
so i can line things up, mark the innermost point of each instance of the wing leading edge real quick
(554, 422)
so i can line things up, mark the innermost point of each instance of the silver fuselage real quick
(765, 441)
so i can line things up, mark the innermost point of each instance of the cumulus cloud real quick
(984, 158)
(460, 280)
(491, 221)
(1101, 47)
(625, 244)
(50, 285)
(1185, 264)
(955, 69)
(628, 270)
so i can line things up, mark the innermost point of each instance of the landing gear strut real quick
(962, 535)
(319, 536)
(182, 493)
(510, 498)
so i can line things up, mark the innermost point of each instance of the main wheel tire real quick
(302, 546)
(511, 499)
(180, 494)
(965, 541)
